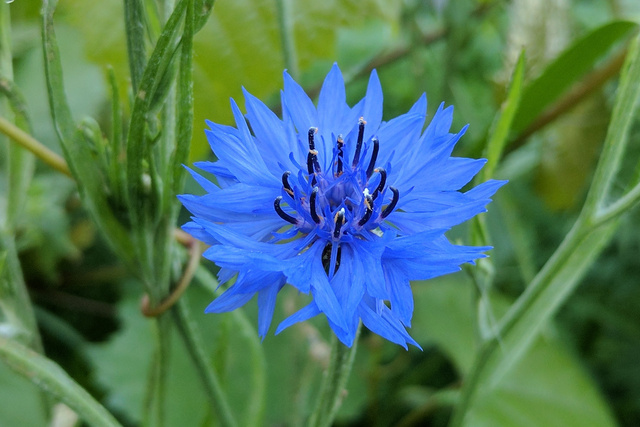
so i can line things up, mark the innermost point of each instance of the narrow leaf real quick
(135, 29)
(76, 151)
(117, 151)
(202, 10)
(137, 146)
(567, 69)
(21, 162)
(504, 120)
(184, 128)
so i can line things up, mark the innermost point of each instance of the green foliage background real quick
(582, 370)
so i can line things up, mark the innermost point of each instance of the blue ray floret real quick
(336, 203)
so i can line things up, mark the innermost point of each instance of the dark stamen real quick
(312, 157)
(285, 183)
(374, 157)
(368, 201)
(312, 132)
(282, 214)
(326, 257)
(340, 143)
(391, 206)
(356, 156)
(312, 205)
(338, 219)
(383, 182)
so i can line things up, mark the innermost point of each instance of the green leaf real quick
(22, 402)
(233, 348)
(502, 125)
(247, 398)
(137, 141)
(15, 305)
(51, 378)
(567, 69)
(21, 162)
(202, 9)
(117, 151)
(78, 155)
(184, 115)
(123, 372)
(523, 330)
(135, 24)
(546, 387)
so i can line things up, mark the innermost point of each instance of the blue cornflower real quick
(336, 203)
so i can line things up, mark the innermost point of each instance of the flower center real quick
(341, 202)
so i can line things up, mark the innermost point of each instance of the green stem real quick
(209, 377)
(334, 382)
(616, 139)
(36, 147)
(51, 378)
(479, 369)
(155, 400)
(286, 36)
(620, 206)
(561, 274)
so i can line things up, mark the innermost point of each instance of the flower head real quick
(337, 203)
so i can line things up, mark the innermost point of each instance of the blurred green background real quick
(583, 371)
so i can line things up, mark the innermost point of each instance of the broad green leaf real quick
(567, 69)
(546, 387)
(51, 378)
(22, 401)
(84, 87)
(247, 397)
(239, 46)
(124, 372)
